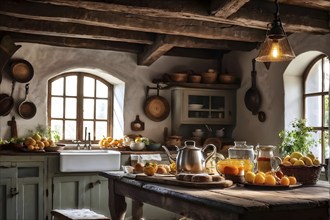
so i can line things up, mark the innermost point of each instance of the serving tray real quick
(171, 180)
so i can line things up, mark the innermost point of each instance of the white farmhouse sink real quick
(89, 160)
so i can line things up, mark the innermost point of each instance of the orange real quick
(231, 170)
(285, 181)
(292, 180)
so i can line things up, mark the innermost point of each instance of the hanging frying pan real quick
(27, 109)
(7, 102)
(156, 107)
(20, 70)
(7, 49)
(252, 97)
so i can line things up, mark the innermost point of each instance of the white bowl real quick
(198, 133)
(137, 146)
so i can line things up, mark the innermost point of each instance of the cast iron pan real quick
(20, 70)
(156, 107)
(7, 102)
(252, 97)
(27, 109)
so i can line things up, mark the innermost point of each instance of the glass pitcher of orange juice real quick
(243, 153)
(266, 161)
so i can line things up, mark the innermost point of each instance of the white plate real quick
(195, 106)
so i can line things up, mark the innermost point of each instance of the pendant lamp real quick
(276, 47)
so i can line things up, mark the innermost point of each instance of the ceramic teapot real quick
(191, 159)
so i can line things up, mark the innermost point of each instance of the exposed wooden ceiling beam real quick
(128, 21)
(225, 8)
(154, 51)
(317, 4)
(195, 10)
(52, 28)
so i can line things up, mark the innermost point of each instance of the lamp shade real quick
(275, 50)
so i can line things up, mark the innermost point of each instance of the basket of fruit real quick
(306, 169)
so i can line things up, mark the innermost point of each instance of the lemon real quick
(286, 158)
(293, 160)
(316, 162)
(259, 179)
(299, 163)
(296, 155)
(270, 180)
(287, 163)
(36, 137)
(249, 177)
(311, 156)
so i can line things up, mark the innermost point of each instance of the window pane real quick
(57, 87)
(317, 150)
(70, 130)
(90, 129)
(101, 90)
(101, 109)
(314, 78)
(326, 111)
(326, 70)
(57, 107)
(57, 125)
(88, 86)
(71, 86)
(101, 130)
(88, 108)
(313, 111)
(70, 108)
(326, 144)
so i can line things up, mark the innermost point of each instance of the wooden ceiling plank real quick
(189, 42)
(72, 30)
(260, 13)
(153, 52)
(317, 4)
(74, 42)
(225, 8)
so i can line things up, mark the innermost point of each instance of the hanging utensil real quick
(252, 97)
(20, 70)
(7, 102)
(156, 107)
(27, 109)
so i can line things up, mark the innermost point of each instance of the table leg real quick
(137, 210)
(117, 204)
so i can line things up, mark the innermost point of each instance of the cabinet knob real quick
(91, 185)
(13, 192)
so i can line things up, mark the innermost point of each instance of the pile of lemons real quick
(37, 142)
(298, 159)
(109, 142)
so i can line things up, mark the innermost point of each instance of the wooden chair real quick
(76, 214)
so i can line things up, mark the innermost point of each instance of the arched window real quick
(78, 104)
(316, 102)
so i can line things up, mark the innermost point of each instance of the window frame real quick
(321, 94)
(79, 119)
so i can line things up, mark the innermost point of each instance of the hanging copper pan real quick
(20, 70)
(156, 107)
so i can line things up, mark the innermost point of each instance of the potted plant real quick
(299, 138)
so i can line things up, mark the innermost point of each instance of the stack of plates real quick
(195, 106)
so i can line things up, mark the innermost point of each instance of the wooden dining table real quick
(238, 202)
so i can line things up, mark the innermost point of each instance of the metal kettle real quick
(191, 159)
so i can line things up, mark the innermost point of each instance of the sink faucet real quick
(89, 147)
(78, 143)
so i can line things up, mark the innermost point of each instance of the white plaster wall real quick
(49, 61)
(270, 84)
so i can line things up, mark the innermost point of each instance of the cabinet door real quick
(8, 190)
(212, 107)
(70, 192)
(30, 204)
(99, 194)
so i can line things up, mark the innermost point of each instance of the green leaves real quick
(298, 139)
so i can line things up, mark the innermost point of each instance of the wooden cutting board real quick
(171, 180)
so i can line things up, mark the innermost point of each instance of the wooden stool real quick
(76, 214)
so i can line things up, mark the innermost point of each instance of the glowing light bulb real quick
(275, 50)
